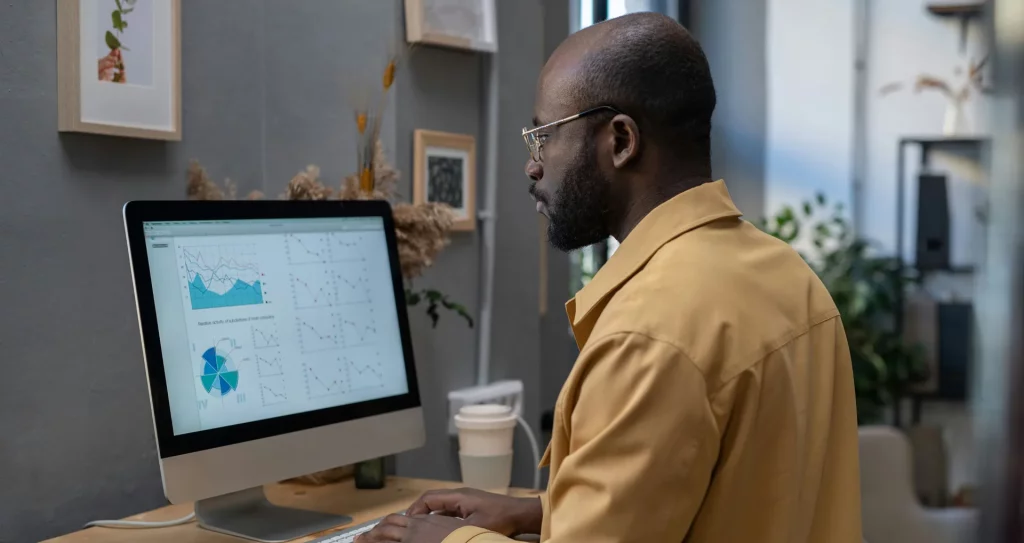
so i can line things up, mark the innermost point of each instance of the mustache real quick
(537, 194)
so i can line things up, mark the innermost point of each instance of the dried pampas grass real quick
(200, 187)
(422, 231)
(306, 185)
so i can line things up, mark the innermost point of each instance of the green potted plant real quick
(865, 288)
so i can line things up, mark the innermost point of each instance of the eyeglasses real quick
(535, 141)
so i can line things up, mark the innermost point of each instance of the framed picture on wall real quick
(445, 173)
(461, 24)
(119, 67)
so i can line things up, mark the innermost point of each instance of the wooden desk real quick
(340, 498)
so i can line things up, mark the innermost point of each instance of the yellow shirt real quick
(712, 400)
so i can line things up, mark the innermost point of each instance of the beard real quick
(578, 216)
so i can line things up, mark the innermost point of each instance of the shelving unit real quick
(961, 9)
(965, 11)
(927, 144)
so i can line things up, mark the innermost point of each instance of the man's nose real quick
(534, 170)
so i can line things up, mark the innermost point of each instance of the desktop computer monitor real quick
(276, 344)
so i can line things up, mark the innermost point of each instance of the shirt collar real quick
(691, 209)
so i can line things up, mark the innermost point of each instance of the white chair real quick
(890, 511)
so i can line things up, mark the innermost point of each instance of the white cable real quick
(536, 451)
(140, 524)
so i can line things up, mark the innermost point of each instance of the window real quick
(585, 263)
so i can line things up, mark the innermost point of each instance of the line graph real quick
(324, 248)
(313, 288)
(363, 369)
(269, 365)
(273, 391)
(340, 374)
(221, 276)
(328, 384)
(353, 288)
(344, 246)
(264, 336)
(317, 335)
(358, 329)
(307, 248)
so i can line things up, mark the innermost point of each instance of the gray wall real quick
(733, 34)
(440, 90)
(264, 90)
(444, 90)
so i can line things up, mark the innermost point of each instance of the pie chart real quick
(219, 375)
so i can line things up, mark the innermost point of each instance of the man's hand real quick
(417, 529)
(502, 514)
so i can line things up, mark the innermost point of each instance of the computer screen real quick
(262, 318)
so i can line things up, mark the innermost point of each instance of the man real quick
(712, 400)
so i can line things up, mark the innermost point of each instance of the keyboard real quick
(349, 534)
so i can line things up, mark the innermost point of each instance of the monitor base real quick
(248, 514)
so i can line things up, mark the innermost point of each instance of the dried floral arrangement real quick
(422, 230)
(956, 95)
(975, 80)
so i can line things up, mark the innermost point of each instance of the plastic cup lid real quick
(485, 411)
(485, 416)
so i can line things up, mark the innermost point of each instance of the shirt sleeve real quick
(643, 445)
(472, 534)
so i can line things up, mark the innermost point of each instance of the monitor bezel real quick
(168, 444)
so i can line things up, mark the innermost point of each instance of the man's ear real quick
(626, 140)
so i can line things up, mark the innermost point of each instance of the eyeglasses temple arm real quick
(556, 123)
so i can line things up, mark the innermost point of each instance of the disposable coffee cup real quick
(485, 446)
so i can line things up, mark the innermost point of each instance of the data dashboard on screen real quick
(266, 318)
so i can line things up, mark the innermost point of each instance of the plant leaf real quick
(820, 197)
(459, 309)
(115, 16)
(434, 316)
(112, 41)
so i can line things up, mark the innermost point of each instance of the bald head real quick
(647, 66)
(644, 89)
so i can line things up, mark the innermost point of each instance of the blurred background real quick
(880, 137)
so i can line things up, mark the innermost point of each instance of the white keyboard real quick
(349, 535)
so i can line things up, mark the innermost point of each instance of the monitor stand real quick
(248, 514)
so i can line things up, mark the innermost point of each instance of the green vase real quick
(370, 474)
